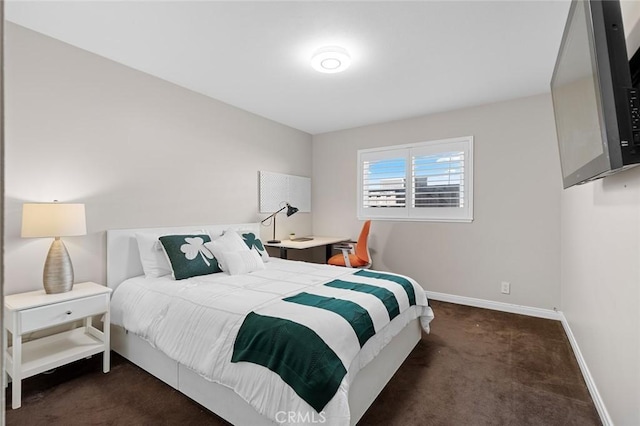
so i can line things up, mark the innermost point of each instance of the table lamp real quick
(290, 210)
(55, 220)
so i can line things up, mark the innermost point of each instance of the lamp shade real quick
(291, 210)
(53, 220)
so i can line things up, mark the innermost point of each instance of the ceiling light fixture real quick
(330, 59)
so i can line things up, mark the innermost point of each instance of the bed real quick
(243, 401)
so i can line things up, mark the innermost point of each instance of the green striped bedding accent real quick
(408, 287)
(357, 316)
(386, 296)
(297, 353)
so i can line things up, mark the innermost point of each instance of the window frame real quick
(408, 212)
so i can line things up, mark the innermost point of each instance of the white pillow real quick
(229, 242)
(243, 261)
(154, 262)
(254, 242)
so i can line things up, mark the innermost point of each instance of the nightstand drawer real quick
(60, 313)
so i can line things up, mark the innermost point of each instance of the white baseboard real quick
(539, 313)
(496, 306)
(588, 378)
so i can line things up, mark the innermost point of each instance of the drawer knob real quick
(68, 312)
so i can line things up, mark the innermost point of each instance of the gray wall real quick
(515, 233)
(600, 259)
(137, 150)
(601, 286)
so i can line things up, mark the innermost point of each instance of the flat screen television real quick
(596, 107)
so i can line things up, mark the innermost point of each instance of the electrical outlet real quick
(505, 287)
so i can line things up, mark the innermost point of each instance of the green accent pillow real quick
(188, 256)
(254, 242)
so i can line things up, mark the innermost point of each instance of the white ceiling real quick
(408, 58)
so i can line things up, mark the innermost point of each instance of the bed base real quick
(224, 402)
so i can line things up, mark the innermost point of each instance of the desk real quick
(285, 245)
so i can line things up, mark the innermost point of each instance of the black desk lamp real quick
(290, 210)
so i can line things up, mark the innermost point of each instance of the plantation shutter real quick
(383, 182)
(441, 180)
(438, 180)
(424, 181)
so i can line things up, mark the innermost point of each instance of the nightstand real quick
(36, 310)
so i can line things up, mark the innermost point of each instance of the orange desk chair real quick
(354, 257)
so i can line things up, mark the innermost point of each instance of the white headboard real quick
(123, 259)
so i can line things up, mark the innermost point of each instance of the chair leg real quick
(345, 254)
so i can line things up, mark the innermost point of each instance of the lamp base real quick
(274, 242)
(58, 271)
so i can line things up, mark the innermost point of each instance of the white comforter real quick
(195, 322)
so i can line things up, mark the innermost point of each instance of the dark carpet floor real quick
(477, 367)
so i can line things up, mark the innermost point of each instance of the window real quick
(422, 181)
